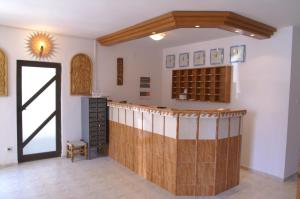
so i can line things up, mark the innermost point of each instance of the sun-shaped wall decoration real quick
(41, 45)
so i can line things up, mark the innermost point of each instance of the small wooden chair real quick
(77, 147)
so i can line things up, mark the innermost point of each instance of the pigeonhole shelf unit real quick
(94, 125)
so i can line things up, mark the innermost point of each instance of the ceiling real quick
(94, 18)
(184, 36)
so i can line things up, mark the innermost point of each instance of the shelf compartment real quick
(211, 84)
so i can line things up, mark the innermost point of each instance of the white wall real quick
(293, 137)
(261, 85)
(139, 60)
(13, 43)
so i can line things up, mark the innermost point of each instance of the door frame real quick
(44, 155)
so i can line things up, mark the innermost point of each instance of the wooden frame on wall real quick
(3, 74)
(81, 75)
(120, 71)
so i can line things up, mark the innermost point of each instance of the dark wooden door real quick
(38, 110)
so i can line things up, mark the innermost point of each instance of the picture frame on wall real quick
(199, 58)
(183, 59)
(216, 56)
(170, 61)
(238, 54)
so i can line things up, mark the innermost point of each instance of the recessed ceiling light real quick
(197, 26)
(158, 36)
(252, 35)
(237, 31)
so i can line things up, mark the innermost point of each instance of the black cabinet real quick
(94, 117)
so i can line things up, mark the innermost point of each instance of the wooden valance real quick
(225, 20)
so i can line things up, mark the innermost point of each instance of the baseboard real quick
(7, 165)
(263, 174)
(290, 177)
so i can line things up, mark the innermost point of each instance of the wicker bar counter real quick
(186, 152)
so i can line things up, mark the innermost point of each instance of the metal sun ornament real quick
(41, 45)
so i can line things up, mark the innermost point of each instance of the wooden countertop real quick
(180, 112)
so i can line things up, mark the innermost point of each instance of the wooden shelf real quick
(211, 84)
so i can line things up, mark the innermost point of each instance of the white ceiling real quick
(184, 36)
(93, 18)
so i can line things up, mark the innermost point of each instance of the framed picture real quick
(199, 58)
(237, 54)
(216, 56)
(170, 61)
(184, 60)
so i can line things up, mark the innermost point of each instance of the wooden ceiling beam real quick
(225, 20)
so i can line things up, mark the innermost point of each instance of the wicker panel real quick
(233, 162)
(205, 190)
(169, 176)
(182, 167)
(170, 150)
(186, 151)
(138, 155)
(185, 190)
(123, 144)
(170, 164)
(158, 159)
(186, 173)
(158, 170)
(158, 145)
(111, 151)
(147, 155)
(206, 151)
(205, 184)
(221, 168)
(130, 148)
(206, 173)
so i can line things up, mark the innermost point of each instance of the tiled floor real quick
(104, 178)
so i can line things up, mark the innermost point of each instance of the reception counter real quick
(186, 152)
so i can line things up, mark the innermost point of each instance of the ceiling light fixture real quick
(237, 31)
(41, 45)
(158, 36)
(197, 26)
(252, 35)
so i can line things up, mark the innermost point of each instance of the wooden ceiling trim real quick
(139, 32)
(249, 25)
(225, 20)
(161, 23)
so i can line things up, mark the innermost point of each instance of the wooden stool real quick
(77, 147)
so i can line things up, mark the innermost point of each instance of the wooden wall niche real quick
(120, 71)
(211, 84)
(3, 74)
(81, 75)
